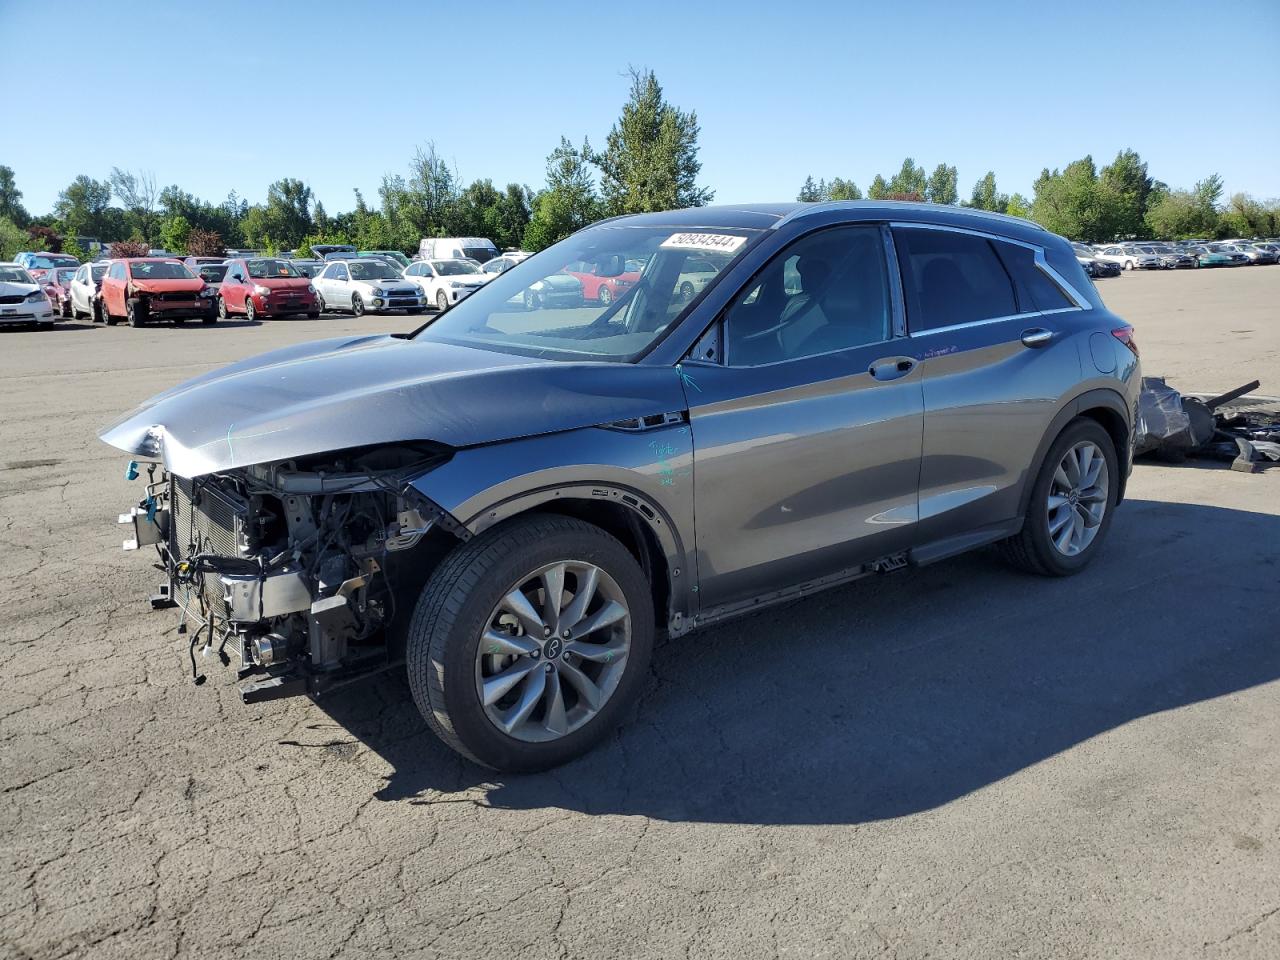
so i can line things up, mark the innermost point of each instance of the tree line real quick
(1122, 201)
(649, 162)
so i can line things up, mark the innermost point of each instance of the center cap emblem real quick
(551, 649)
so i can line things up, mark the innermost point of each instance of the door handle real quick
(1036, 337)
(891, 368)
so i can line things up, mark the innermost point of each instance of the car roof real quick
(763, 216)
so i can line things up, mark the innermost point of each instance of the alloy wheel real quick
(250, 313)
(605, 295)
(553, 651)
(357, 305)
(222, 309)
(1077, 498)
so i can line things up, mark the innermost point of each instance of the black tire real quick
(135, 313)
(686, 291)
(222, 309)
(106, 314)
(442, 301)
(449, 620)
(210, 317)
(250, 311)
(313, 315)
(604, 295)
(179, 321)
(357, 305)
(1031, 549)
(66, 310)
(414, 311)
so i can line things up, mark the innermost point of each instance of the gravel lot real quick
(958, 762)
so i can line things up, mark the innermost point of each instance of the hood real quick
(10, 289)
(194, 285)
(336, 394)
(281, 283)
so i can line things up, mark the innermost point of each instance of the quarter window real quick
(951, 278)
(828, 291)
(1035, 290)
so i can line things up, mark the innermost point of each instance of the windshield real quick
(65, 274)
(14, 275)
(372, 270)
(308, 268)
(537, 309)
(259, 269)
(394, 255)
(213, 272)
(451, 268)
(46, 262)
(99, 271)
(159, 270)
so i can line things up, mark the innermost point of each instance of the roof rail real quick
(824, 205)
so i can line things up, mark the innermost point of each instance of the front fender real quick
(649, 472)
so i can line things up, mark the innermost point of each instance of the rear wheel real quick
(1071, 503)
(686, 291)
(313, 315)
(529, 642)
(605, 295)
(320, 307)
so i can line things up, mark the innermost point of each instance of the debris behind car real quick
(1172, 426)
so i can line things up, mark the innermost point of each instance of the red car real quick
(601, 289)
(266, 287)
(141, 289)
(57, 286)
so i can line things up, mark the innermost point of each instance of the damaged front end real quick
(296, 565)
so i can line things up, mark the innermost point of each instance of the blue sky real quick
(225, 96)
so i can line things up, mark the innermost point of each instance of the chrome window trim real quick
(1037, 252)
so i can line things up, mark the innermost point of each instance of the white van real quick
(457, 248)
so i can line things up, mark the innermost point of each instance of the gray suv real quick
(512, 501)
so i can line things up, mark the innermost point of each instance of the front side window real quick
(828, 291)
(951, 278)
(537, 309)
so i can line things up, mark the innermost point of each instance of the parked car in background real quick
(366, 285)
(445, 282)
(516, 508)
(265, 288)
(211, 273)
(457, 248)
(38, 264)
(395, 256)
(598, 288)
(697, 273)
(193, 262)
(145, 289)
(22, 300)
(308, 268)
(1238, 257)
(1172, 258)
(500, 264)
(1130, 257)
(325, 250)
(85, 285)
(1254, 253)
(555, 291)
(57, 287)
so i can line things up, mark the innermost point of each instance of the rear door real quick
(993, 333)
(807, 436)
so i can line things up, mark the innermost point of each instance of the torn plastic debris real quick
(1172, 426)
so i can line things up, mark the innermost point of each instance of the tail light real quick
(1125, 336)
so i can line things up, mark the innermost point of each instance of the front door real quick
(807, 437)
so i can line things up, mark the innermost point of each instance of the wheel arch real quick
(642, 526)
(1109, 410)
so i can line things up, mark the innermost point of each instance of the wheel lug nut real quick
(536, 654)
(565, 634)
(546, 631)
(550, 668)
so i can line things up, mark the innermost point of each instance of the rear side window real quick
(1035, 290)
(952, 278)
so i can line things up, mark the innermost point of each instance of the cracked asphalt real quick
(955, 762)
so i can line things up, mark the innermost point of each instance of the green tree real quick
(82, 207)
(840, 189)
(1072, 202)
(1246, 217)
(985, 196)
(941, 186)
(570, 201)
(910, 179)
(205, 243)
(650, 160)
(13, 239)
(878, 190)
(1122, 191)
(1181, 215)
(288, 211)
(810, 192)
(11, 207)
(175, 231)
(137, 192)
(1018, 206)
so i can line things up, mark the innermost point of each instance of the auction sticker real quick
(724, 242)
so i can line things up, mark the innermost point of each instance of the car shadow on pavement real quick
(901, 693)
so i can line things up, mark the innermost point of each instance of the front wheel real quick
(530, 641)
(135, 313)
(1071, 504)
(357, 305)
(442, 301)
(686, 291)
(605, 295)
(1128, 264)
(222, 309)
(250, 311)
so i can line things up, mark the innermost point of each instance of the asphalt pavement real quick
(960, 761)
